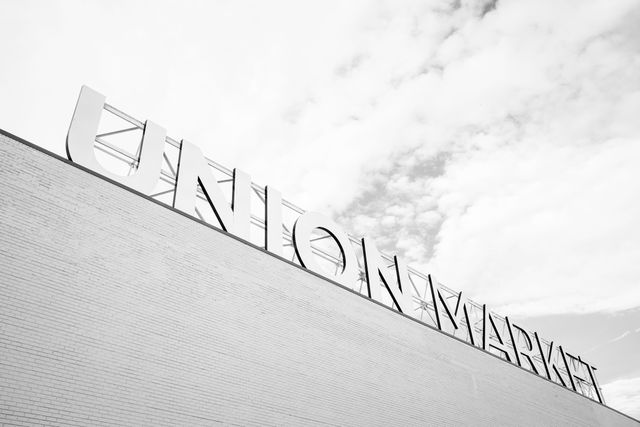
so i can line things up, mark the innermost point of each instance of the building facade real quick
(118, 310)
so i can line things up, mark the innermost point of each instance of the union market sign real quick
(178, 174)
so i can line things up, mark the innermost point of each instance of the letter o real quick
(302, 231)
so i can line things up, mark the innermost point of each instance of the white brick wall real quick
(115, 310)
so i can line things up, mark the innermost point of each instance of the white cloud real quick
(495, 144)
(623, 395)
(621, 336)
(535, 200)
(495, 141)
(544, 230)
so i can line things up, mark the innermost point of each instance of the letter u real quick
(82, 134)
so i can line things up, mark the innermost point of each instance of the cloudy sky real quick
(494, 144)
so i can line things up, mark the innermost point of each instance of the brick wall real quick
(115, 310)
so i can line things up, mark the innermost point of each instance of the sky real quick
(493, 144)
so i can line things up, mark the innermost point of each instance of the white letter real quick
(82, 135)
(374, 268)
(302, 231)
(193, 169)
(273, 221)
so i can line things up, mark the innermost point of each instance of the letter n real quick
(193, 169)
(399, 287)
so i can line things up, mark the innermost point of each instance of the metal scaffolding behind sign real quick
(118, 146)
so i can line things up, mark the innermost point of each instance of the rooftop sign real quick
(178, 175)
